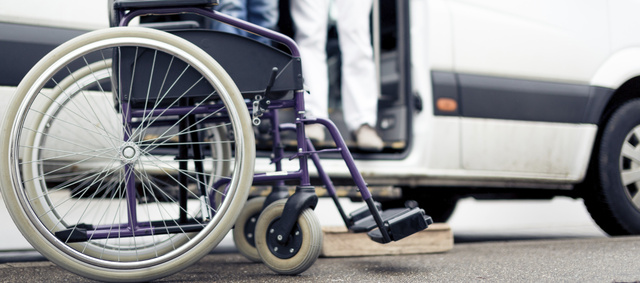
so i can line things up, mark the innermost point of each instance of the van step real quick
(401, 225)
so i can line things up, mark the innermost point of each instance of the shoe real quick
(315, 132)
(367, 139)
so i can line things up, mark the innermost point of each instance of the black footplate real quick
(402, 224)
(368, 223)
(362, 213)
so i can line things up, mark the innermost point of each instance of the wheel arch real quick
(620, 73)
(626, 91)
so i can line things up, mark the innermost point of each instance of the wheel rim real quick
(287, 249)
(249, 228)
(630, 166)
(38, 196)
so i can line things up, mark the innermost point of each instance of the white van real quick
(481, 98)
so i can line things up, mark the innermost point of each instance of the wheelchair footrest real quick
(368, 223)
(363, 212)
(402, 224)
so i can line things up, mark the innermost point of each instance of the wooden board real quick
(338, 242)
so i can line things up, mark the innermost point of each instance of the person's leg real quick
(310, 18)
(234, 8)
(359, 83)
(263, 13)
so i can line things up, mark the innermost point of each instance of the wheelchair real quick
(128, 152)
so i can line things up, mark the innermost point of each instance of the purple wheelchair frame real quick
(305, 195)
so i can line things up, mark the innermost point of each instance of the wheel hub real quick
(629, 165)
(288, 249)
(129, 152)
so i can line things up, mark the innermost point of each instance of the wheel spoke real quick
(630, 176)
(82, 169)
(636, 199)
(631, 152)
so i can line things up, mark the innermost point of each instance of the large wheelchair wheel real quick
(110, 150)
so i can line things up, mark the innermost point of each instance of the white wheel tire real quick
(251, 212)
(179, 259)
(311, 240)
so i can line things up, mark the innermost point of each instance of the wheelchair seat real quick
(249, 63)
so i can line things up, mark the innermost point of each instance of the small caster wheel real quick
(244, 229)
(299, 252)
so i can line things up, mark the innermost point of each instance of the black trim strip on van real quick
(22, 46)
(516, 99)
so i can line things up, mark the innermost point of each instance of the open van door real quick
(390, 34)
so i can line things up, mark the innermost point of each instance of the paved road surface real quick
(496, 241)
(565, 260)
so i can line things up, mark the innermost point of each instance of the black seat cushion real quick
(248, 62)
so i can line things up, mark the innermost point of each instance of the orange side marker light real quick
(446, 104)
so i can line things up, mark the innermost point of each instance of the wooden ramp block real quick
(338, 242)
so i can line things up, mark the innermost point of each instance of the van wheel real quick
(613, 200)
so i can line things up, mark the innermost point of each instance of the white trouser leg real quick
(310, 18)
(359, 84)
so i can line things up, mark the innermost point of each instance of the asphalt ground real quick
(495, 241)
(558, 260)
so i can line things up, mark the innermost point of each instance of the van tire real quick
(609, 201)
